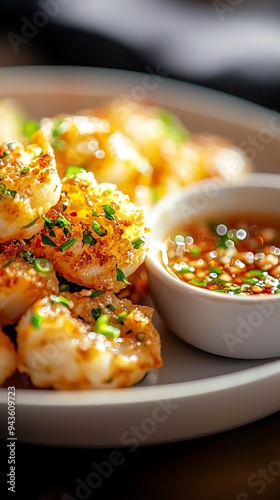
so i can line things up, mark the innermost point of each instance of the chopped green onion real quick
(251, 281)
(98, 228)
(67, 244)
(257, 272)
(60, 300)
(96, 312)
(4, 190)
(24, 170)
(11, 192)
(43, 265)
(4, 155)
(121, 276)
(29, 127)
(73, 170)
(111, 307)
(198, 282)
(88, 238)
(36, 320)
(216, 270)
(109, 211)
(62, 221)
(49, 223)
(30, 223)
(194, 250)
(184, 269)
(96, 293)
(28, 256)
(47, 241)
(57, 128)
(138, 242)
(121, 317)
(64, 288)
(103, 326)
(8, 263)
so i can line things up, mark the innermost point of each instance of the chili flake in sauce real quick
(234, 254)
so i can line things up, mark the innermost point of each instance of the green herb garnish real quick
(88, 238)
(47, 241)
(30, 223)
(109, 211)
(103, 326)
(121, 276)
(67, 244)
(101, 231)
(42, 265)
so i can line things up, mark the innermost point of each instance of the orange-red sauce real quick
(233, 253)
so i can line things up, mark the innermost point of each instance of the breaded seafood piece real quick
(178, 156)
(94, 235)
(92, 143)
(29, 187)
(74, 341)
(23, 280)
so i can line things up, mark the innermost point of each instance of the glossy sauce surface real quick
(238, 254)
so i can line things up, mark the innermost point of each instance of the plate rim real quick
(253, 116)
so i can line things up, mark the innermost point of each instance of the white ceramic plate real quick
(194, 393)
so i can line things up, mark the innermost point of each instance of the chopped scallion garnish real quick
(59, 299)
(36, 320)
(30, 223)
(109, 211)
(88, 238)
(121, 317)
(121, 276)
(101, 231)
(43, 265)
(8, 263)
(103, 326)
(73, 170)
(138, 242)
(96, 312)
(67, 244)
(47, 241)
(96, 293)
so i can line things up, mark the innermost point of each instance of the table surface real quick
(239, 464)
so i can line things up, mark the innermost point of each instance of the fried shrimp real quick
(177, 156)
(23, 280)
(92, 143)
(74, 341)
(8, 357)
(29, 187)
(94, 235)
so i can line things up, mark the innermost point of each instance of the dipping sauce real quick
(235, 254)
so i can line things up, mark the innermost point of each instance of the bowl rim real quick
(249, 180)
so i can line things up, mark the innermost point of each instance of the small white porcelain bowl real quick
(236, 326)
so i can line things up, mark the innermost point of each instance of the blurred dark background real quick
(230, 45)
